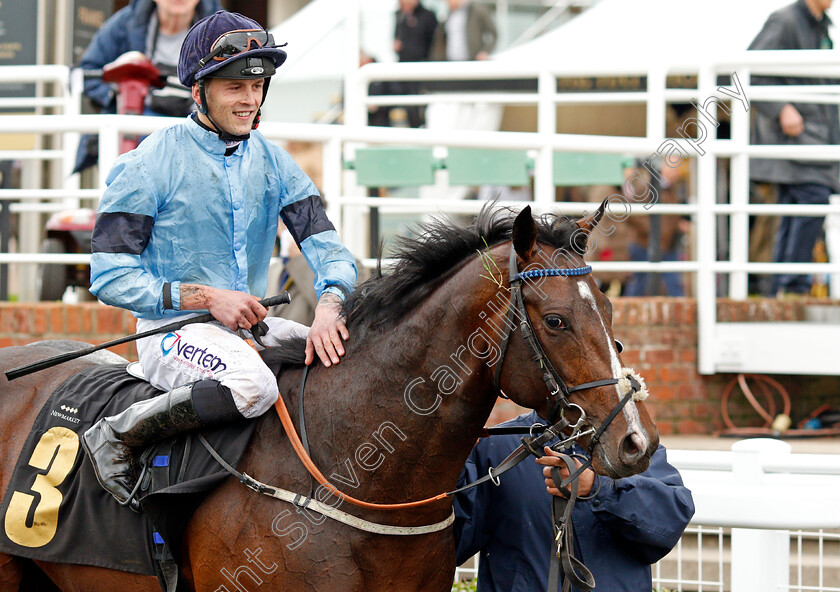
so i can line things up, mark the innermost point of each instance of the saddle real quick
(71, 519)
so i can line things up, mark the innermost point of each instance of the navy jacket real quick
(126, 30)
(630, 524)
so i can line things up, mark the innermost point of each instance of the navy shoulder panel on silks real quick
(306, 217)
(54, 509)
(121, 232)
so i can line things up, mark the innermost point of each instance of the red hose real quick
(767, 412)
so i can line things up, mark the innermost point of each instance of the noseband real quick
(557, 400)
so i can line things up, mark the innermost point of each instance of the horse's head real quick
(571, 363)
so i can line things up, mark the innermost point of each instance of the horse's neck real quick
(395, 420)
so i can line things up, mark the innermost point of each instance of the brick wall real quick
(659, 334)
(90, 322)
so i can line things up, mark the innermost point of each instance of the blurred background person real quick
(380, 115)
(801, 25)
(468, 33)
(156, 28)
(413, 35)
(670, 232)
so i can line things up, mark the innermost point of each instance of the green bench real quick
(399, 166)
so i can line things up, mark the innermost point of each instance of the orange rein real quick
(286, 420)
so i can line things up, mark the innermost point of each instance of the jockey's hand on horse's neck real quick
(235, 310)
(328, 331)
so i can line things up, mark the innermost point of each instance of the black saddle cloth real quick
(54, 509)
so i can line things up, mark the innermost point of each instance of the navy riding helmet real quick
(228, 45)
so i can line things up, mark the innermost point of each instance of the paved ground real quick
(804, 445)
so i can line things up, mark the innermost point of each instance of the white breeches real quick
(212, 351)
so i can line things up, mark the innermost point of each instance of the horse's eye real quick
(619, 346)
(554, 322)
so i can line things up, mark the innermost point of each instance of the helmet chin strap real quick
(226, 137)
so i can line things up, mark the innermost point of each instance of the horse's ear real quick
(588, 223)
(524, 234)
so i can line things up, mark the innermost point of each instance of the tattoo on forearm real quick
(329, 298)
(194, 294)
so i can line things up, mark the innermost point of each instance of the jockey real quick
(187, 223)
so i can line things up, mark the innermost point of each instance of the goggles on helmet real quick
(233, 43)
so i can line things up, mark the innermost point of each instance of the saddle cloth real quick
(55, 510)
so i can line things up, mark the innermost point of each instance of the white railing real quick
(347, 203)
(750, 503)
(762, 496)
(713, 336)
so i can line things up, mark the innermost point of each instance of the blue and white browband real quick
(535, 273)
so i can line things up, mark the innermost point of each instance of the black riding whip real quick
(283, 298)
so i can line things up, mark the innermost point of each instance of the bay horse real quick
(395, 420)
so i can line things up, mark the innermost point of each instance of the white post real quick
(546, 127)
(503, 23)
(832, 243)
(354, 107)
(331, 180)
(30, 231)
(355, 116)
(655, 109)
(739, 192)
(706, 253)
(760, 558)
(109, 150)
(70, 140)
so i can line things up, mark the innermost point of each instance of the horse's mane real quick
(288, 353)
(441, 245)
(422, 262)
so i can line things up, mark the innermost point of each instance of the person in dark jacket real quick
(156, 28)
(414, 31)
(628, 524)
(801, 25)
(413, 36)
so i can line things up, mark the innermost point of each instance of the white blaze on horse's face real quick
(631, 414)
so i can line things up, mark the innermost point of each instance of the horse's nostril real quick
(632, 448)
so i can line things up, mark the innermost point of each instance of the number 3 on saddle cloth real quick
(55, 510)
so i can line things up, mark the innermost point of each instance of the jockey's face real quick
(232, 104)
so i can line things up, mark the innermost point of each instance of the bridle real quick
(557, 404)
(557, 400)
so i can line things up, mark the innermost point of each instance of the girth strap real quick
(326, 510)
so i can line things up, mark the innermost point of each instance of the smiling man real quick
(187, 223)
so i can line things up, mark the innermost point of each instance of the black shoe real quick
(110, 441)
